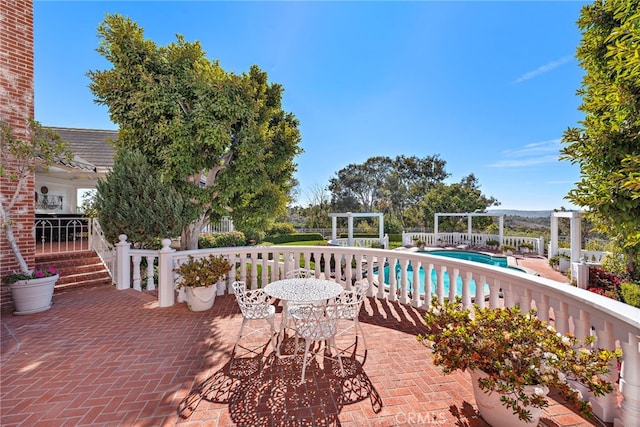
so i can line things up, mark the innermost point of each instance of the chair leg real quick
(307, 343)
(335, 346)
(359, 328)
(274, 337)
(239, 335)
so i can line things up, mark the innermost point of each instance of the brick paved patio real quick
(103, 357)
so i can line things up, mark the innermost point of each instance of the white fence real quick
(474, 240)
(396, 276)
(362, 242)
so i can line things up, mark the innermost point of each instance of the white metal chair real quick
(297, 273)
(316, 323)
(348, 304)
(255, 305)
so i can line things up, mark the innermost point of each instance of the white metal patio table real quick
(301, 291)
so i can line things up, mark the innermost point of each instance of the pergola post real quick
(350, 228)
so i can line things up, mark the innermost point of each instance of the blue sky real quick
(488, 86)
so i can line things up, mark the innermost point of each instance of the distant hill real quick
(525, 214)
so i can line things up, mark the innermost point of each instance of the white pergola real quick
(469, 216)
(350, 216)
(576, 233)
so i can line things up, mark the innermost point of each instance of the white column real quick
(123, 267)
(553, 248)
(469, 227)
(334, 228)
(501, 224)
(435, 226)
(166, 287)
(350, 229)
(576, 240)
(381, 226)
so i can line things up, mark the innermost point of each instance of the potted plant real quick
(198, 279)
(526, 247)
(31, 290)
(514, 358)
(507, 249)
(492, 243)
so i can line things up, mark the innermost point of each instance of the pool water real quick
(499, 261)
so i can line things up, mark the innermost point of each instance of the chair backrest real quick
(300, 273)
(314, 322)
(254, 304)
(349, 302)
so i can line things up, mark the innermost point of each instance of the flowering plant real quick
(515, 350)
(202, 271)
(35, 274)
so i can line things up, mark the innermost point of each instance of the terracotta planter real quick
(494, 412)
(200, 298)
(33, 295)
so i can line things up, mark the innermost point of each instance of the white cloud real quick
(524, 162)
(542, 69)
(536, 153)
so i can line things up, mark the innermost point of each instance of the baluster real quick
(494, 293)
(466, 290)
(605, 407)
(254, 271)
(151, 286)
(561, 318)
(453, 284)
(479, 297)
(392, 279)
(136, 272)
(417, 285)
(404, 282)
(440, 284)
(630, 380)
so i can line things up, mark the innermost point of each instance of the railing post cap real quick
(166, 244)
(122, 238)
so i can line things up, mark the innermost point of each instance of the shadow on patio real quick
(107, 357)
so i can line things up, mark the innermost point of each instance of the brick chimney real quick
(16, 106)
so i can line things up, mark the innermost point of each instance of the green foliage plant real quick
(507, 247)
(515, 350)
(631, 293)
(221, 139)
(281, 228)
(133, 200)
(492, 243)
(18, 160)
(606, 145)
(205, 271)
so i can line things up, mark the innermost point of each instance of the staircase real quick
(76, 269)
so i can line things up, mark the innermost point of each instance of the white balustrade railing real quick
(404, 275)
(475, 240)
(105, 250)
(362, 242)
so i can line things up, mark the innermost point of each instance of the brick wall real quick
(16, 106)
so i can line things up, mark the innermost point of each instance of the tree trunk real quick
(190, 235)
(6, 221)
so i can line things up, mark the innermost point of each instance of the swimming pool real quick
(482, 258)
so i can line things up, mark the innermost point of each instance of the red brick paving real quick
(103, 357)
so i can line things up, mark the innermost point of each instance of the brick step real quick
(77, 269)
(86, 283)
(81, 277)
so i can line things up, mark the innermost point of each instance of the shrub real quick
(253, 236)
(281, 228)
(231, 238)
(207, 240)
(392, 226)
(630, 293)
(604, 283)
(297, 237)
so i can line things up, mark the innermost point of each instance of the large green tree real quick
(607, 145)
(223, 140)
(461, 197)
(388, 185)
